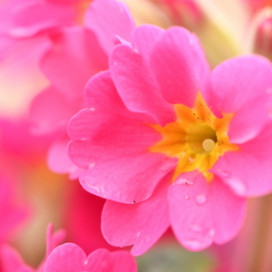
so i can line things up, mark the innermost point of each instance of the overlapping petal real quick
(248, 170)
(242, 86)
(203, 213)
(140, 225)
(180, 66)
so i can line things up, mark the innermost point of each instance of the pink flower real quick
(77, 53)
(168, 142)
(68, 257)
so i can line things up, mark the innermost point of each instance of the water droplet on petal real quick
(184, 181)
(237, 186)
(187, 197)
(201, 199)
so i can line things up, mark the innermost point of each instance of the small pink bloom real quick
(173, 143)
(70, 258)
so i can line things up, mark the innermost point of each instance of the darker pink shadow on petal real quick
(243, 86)
(140, 225)
(180, 66)
(203, 213)
(248, 170)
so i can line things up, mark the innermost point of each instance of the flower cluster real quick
(119, 132)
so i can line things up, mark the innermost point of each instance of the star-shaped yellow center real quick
(197, 138)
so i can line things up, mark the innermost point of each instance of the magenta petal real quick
(243, 86)
(108, 18)
(136, 85)
(140, 225)
(180, 66)
(203, 213)
(67, 257)
(248, 171)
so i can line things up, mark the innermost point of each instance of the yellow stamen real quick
(197, 138)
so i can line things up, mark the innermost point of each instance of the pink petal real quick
(248, 171)
(31, 17)
(113, 145)
(78, 204)
(123, 261)
(47, 116)
(108, 18)
(11, 261)
(136, 85)
(144, 37)
(53, 239)
(58, 160)
(243, 86)
(203, 213)
(102, 260)
(140, 225)
(180, 66)
(72, 61)
(67, 257)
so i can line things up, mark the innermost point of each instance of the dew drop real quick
(184, 181)
(238, 187)
(201, 199)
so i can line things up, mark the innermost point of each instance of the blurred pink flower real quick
(12, 213)
(68, 257)
(172, 142)
(10, 259)
(76, 54)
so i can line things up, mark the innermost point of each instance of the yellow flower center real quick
(197, 138)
